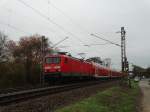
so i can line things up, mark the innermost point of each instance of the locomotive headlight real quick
(57, 67)
(48, 67)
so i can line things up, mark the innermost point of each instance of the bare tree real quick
(28, 52)
(3, 49)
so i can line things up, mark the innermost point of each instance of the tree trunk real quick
(28, 70)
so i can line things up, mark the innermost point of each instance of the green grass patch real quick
(115, 99)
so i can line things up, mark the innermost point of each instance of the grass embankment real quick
(115, 99)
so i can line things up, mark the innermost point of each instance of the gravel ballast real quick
(51, 102)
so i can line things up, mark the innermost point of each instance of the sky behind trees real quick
(77, 19)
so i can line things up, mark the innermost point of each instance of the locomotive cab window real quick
(52, 60)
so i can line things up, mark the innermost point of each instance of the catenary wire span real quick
(50, 20)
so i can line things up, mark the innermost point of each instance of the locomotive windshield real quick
(52, 60)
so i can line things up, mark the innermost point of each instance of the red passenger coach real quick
(101, 71)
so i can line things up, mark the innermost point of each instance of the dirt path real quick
(145, 87)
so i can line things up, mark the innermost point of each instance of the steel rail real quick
(8, 98)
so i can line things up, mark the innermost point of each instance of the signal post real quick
(124, 61)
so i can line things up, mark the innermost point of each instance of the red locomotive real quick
(57, 66)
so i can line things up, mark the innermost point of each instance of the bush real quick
(13, 75)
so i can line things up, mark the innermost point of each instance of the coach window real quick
(66, 60)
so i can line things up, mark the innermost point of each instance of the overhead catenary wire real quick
(88, 45)
(68, 17)
(79, 26)
(59, 42)
(50, 20)
(106, 40)
(15, 28)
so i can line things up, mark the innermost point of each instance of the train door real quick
(96, 71)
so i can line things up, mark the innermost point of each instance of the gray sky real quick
(81, 18)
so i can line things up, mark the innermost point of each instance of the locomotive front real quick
(52, 66)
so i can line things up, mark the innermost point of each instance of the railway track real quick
(15, 97)
(11, 90)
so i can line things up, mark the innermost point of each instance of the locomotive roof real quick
(61, 55)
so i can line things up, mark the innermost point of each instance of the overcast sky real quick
(77, 19)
